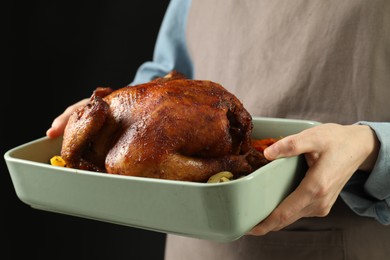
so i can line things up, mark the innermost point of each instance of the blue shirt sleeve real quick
(368, 194)
(170, 52)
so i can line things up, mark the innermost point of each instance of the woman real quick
(327, 61)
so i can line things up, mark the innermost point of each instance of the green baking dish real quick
(219, 211)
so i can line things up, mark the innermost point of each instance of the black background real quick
(57, 52)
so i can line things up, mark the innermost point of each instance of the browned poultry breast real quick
(170, 128)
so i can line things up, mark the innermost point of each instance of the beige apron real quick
(323, 60)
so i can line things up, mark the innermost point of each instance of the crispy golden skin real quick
(170, 128)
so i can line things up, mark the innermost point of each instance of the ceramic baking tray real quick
(219, 211)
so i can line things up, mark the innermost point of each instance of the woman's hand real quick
(58, 126)
(333, 153)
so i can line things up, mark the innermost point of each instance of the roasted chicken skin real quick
(170, 128)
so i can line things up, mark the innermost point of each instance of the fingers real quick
(333, 153)
(285, 214)
(289, 210)
(58, 126)
(293, 145)
(310, 199)
(321, 185)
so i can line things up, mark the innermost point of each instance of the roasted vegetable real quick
(57, 161)
(261, 144)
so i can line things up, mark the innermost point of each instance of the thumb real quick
(289, 146)
(272, 152)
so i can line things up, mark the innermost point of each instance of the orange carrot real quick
(261, 144)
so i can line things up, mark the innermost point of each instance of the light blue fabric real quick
(171, 50)
(367, 194)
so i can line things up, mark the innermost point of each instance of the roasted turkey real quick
(169, 128)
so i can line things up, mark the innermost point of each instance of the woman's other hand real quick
(58, 126)
(333, 153)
